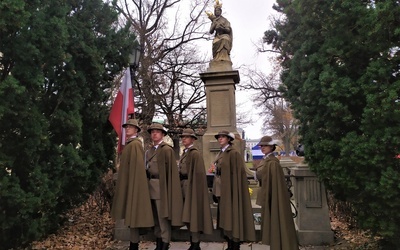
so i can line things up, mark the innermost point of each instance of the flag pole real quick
(134, 60)
(133, 80)
(122, 108)
(132, 71)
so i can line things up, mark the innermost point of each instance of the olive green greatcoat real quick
(196, 208)
(277, 226)
(170, 188)
(236, 214)
(132, 198)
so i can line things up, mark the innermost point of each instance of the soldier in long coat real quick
(196, 208)
(164, 184)
(277, 225)
(235, 214)
(132, 198)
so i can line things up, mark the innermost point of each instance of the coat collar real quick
(131, 139)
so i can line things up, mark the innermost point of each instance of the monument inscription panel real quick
(221, 110)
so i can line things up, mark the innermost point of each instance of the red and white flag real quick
(122, 107)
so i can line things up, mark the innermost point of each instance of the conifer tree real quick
(58, 60)
(341, 66)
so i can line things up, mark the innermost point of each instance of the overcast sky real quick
(249, 20)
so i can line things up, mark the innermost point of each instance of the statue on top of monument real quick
(222, 43)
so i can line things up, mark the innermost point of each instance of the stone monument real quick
(219, 81)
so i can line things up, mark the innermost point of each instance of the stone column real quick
(312, 221)
(221, 110)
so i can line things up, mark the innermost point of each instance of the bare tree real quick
(276, 112)
(182, 103)
(266, 86)
(283, 124)
(168, 83)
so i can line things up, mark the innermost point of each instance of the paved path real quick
(123, 245)
(185, 245)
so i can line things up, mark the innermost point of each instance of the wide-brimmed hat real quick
(230, 135)
(189, 132)
(157, 126)
(267, 140)
(132, 122)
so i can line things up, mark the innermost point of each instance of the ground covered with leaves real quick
(348, 237)
(90, 227)
(87, 227)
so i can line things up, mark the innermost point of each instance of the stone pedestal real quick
(221, 111)
(313, 223)
(220, 66)
(287, 162)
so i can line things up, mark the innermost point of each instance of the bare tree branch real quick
(276, 112)
(168, 82)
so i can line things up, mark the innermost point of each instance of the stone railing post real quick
(312, 221)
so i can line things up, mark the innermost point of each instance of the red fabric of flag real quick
(122, 107)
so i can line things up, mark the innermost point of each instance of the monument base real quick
(216, 66)
(315, 238)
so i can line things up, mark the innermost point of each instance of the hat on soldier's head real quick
(157, 126)
(132, 122)
(228, 134)
(267, 140)
(189, 132)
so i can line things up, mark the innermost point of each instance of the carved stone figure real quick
(222, 43)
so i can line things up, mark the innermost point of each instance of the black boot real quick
(235, 245)
(229, 241)
(191, 244)
(133, 246)
(195, 245)
(165, 246)
(158, 244)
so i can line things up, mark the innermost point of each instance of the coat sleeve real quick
(171, 194)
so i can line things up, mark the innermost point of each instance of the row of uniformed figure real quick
(154, 192)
